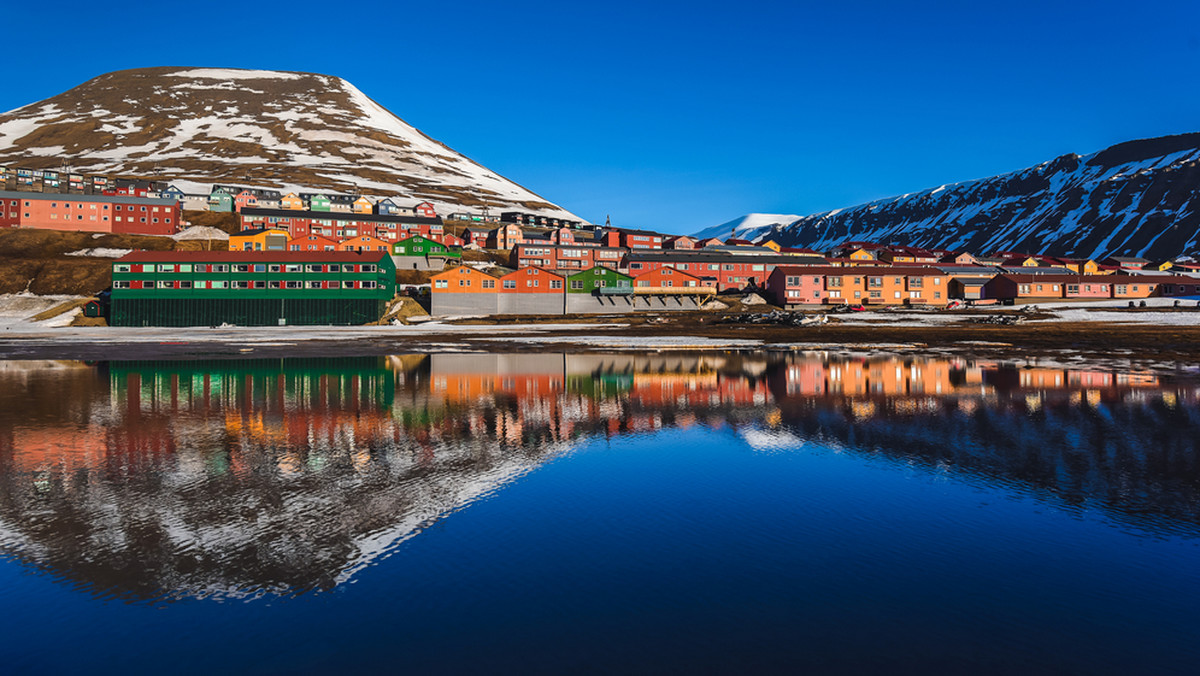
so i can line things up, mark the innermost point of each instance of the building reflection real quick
(147, 480)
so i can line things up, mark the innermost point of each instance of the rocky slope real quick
(265, 128)
(1135, 198)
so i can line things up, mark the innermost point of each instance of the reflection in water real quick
(168, 480)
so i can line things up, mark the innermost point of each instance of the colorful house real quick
(245, 198)
(291, 202)
(317, 201)
(388, 207)
(362, 205)
(532, 291)
(464, 290)
(260, 239)
(422, 253)
(425, 210)
(363, 243)
(220, 200)
(312, 243)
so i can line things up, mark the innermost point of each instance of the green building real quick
(250, 288)
(220, 200)
(598, 277)
(421, 253)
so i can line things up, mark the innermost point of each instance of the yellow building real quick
(362, 205)
(291, 201)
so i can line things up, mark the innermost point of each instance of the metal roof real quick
(70, 197)
(253, 256)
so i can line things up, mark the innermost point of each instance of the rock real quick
(714, 305)
(753, 299)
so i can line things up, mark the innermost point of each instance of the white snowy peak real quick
(291, 131)
(750, 226)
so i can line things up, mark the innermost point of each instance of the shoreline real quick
(1162, 348)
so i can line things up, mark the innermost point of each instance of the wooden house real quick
(362, 205)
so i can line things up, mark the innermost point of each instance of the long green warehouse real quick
(251, 288)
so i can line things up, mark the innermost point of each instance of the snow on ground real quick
(18, 309)
(101, 252)
(235, 74)
(661, 342)
(20, 329)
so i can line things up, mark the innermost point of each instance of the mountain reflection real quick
(167, 480)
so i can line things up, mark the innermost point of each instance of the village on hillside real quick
(324, 258)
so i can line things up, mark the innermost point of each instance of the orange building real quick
(363, 243)
(312, 243)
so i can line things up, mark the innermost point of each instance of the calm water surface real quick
(551, 513)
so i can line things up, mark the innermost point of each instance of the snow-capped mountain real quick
(293, 131)
(750, 226)
(1139, 198)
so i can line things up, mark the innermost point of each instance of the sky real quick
(677, 116)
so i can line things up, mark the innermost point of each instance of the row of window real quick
(836, 282)
(242, 284)
(244, 267)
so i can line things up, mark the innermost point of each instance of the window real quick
(121, 267)
(333, 268)
(294, 285)
(370, 284)
(166, 285)
(121, 284)
(489, 283)
(219, 268)
(834, 282)
(875, 281)
(185, 267)
(556, 284)
(259, 267)
(347, 285)
(260, 284)
(218, 285)
(275, 284)
(576, 283)
(510, 283)
(314, 285)
(439, 283)
(185, 284)
(166, 268)
(292, 268)
(273, 268)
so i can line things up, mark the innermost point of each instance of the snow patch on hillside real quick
(750, 226)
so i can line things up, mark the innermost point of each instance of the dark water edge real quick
(541, 513)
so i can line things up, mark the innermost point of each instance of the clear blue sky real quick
(681, 115)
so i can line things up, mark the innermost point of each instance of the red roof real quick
(252, 256)
(865, 271)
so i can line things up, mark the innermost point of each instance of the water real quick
(551, 513)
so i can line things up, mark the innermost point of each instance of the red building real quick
(565, 257)
(89, 213)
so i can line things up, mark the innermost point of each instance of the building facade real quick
(248, 288)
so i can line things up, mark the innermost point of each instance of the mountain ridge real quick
(1139, 197)
(274, 129)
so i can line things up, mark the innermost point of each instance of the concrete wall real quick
(419, 263)
(444, 304)
(586, 303)
(530, 304)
